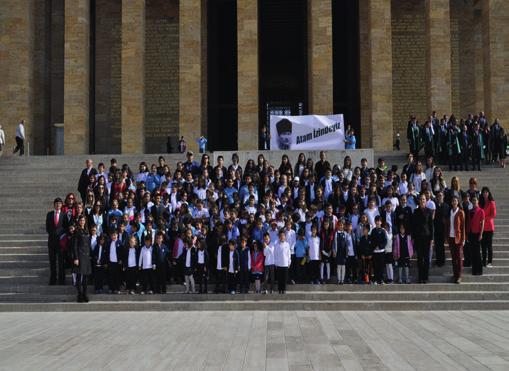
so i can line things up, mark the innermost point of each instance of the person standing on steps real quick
(489, 206)
(80, 257)
(422, 236)
(202, 143)
(20, 138)
(55, 227)
(2, 140)
(455, 229)
(475, 231)
(84, 181)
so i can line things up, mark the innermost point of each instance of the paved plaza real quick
(462, 340)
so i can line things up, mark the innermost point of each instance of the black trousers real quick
(114, 276)
(221, 281)
(467, 254)
(269, 276)
(422, 247)
(487, 248)
(351, 269)
(161, 273)
(148, 280)
(20, 146)
(244, 280)
(293, 268)
(201, 278)
(99, 275)
(378, 266)
(475, 254)
(130, 278)
(300, 269)
(56, 259)
(476, 161)
(81, 284)
(439, 247)
(282, 277)
(454, 160)
(232, 281)
(314, 270)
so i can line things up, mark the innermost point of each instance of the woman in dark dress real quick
(80, 255)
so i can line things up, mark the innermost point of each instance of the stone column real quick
(192, 97)
(133, 76)
(376, 74)
(247, 71)
(438, 57)
(16, 68)
(320, 57)
(76, 77)
(495, 18)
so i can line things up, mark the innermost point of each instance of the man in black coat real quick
(80, 256)
(84, 179)
(55, 227)
(422, 236)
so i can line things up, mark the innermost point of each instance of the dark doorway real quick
(283, 57)
(222, 75)
(345, 43)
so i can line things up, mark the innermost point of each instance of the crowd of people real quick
(308, 222)
(460, 144)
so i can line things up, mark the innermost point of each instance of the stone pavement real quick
(260, 340)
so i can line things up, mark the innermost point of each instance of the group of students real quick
(463, 143)
(307, 223)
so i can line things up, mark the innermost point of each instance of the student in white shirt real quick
(282, 260)
(131, 265)
(233, 267)
(268, 252)
(147, 266)
(291, 238)
(314, 256)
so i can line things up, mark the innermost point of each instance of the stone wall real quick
(57, 67)
(161, 74)
(457, 52)
(107, 76)
(408, 62)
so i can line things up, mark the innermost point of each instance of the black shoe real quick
(80, 298)
(52, 283)
(85, 299)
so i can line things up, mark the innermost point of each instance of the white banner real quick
(312, 132)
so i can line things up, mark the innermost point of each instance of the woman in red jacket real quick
(490, 212)
(257, 263)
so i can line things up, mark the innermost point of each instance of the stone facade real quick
(133, 76)
(248, 98)
(76, 76)
(161, 74)
(408, 63)
(376, 74)
(320, 57)
(108, 50)
(192, 60)
(438, 45)
(16, 67)
(495, 18)
(149, 69)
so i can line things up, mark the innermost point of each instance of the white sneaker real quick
(490, 265)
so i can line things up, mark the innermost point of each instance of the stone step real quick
(43, 288)
(255, 305)
(290, 296)
(24, 243)
(22, 257)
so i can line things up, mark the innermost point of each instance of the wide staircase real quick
(28, 186)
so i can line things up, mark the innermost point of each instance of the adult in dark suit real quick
(83, 183)
(55, 227)
(80, 256)
(422, 235)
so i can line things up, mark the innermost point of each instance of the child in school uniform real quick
(161, 256)
(100, 263)
(340, 250)
(351, 254)
(388, 258)
(244, 265)
(270, 268)
(314, 256)
(221, 266)
(114, 254)
(147, 266)
(131, 265)
(233, 267)
(301, 252)
(403, 252)
(202, 267)
(190, 257)
(257, 262)
(378, 241)
(365, 254)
